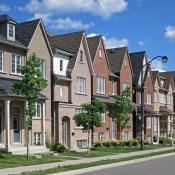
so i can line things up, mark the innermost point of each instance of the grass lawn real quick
(8, 160)
(86, 165)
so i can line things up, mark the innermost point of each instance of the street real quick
(161, 166)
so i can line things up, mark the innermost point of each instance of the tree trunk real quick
(92, 137)
(27, 143)
(121, 137)
(88, 141)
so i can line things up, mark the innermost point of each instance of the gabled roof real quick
(172, 74)
(25, 31)
(93, 43)
(116, 56)
(68, 42)
(137, 63)
(6, 18)
(155, 74)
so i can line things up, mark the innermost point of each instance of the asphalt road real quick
(161, 166)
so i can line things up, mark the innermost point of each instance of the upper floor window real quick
(100, 53)
(162, 82)
(148, 122)
(113, 88)
(38, 110)
(11, 31)
(61, 65)
(16, 63)
(139, 98)
(169, 99)
(162, 97)
(156, 96)
(103, 116)
(125, 85)
(42, 67)
(81, 56)
(100, 87)
(81, 85)
(149, 98)
(1, 60)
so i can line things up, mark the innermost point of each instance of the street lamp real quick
(164, 60)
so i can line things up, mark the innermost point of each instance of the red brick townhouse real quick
(138, 59)
(104, 86)
(72, 69)
(120, 64)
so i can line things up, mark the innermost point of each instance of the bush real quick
(146, 142)
(164, 141)
(138, 138)
(59, 148)
(98, 144)
(155, 139)
(128, 143)
(135, 142)
(107, 144)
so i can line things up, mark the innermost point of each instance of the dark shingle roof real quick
(137, 63)
(172, 74)
(93, 43)
(68, 42)
(168, 79)
(6, 90)
(116, 57)
(155, 74)
(6, 18)
(25, 31)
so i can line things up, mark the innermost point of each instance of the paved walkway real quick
(19, 170)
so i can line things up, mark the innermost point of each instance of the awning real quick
(6, 90)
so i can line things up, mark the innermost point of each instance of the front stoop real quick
(21, 150)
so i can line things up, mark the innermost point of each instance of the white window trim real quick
(16, 72)
(148, 126)
(36, 136)
(44, 69)
(2, 60)
(77, 111)
(77, 89)
(41, 111)
(103, 117)
(97, 85)
(149, 101)
(8, 36)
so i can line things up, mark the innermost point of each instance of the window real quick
(113, 88)
(148, 122)
(61, 91)
(149, 98)
(42, 67)
(81, 56)
(155, 96)
(139, 98)
(81, 84)
(162, 82)
(16, 63)
(162, 97)
(37, 138)
(38, 110)
(103, 116)
(100, 85)
(100, 53)
(61, 65)
(78, 111)
(1, 60)
(101, 137)
(11, 32)
(82, 144)
(125, 85)
(169, 99)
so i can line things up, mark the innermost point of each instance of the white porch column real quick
(7, 123)
(44, 124)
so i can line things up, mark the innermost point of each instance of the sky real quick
(142, 25)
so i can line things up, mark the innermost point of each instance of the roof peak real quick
(7, 18)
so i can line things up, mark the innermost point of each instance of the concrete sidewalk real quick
(31, 168)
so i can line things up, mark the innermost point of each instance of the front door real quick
(16, 129)
(66, 131)
(0, 128)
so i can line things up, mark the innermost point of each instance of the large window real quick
(16, 63)
(81, 85)
(113, 88)
(38, 110)
(162, 98)
(37, 138)
(100, 87)
(149, 98)
(1, 60)
(101, 137)
(148, 122)
(82, 144)
(42, 67)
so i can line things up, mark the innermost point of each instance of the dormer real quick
(162, 81)
(7, 27)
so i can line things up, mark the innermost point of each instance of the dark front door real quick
(16, 129)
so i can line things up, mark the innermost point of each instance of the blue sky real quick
(141, 24)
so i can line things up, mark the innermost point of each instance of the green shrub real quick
(98, 144)
(155, 139)
(164, 141)
(128, 143)
(138, 138)
(135, 142)
(146, 142)
(107, 144)
(59, 148)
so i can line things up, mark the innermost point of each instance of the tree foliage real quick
(90, 117)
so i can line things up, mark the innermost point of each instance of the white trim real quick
(8, 29)
(2, 60)
(16, 56)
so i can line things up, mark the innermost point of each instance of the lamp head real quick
(164, 59)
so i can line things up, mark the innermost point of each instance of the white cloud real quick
(158, 65)
(170, 32)
(102, 8)
(68, 23)
(115, 42)
(92, 35)
(4, 8)
(141, 43)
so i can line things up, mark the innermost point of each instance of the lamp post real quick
(164, 60)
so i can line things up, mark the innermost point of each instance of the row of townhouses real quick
(78, 70)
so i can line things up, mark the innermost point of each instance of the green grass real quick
(103, 162)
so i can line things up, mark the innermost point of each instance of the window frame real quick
(2, 60)
(41, 110)
(9, 30)
(100, 85)
(37, 138)
(42, 68)
(15, 57)
(148, 123)
(149, 98)
(103, 116)
(78, 90)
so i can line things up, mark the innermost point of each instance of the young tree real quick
(90, 117)
(123, 106)
(31, 84)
